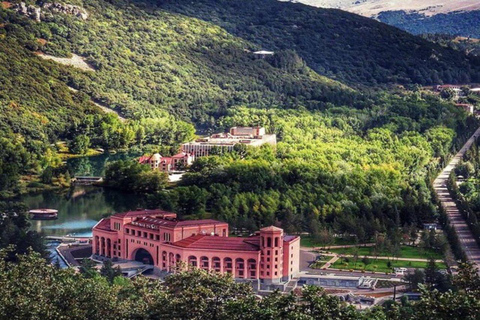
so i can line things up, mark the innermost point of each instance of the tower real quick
(271, 259)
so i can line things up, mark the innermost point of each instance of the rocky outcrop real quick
(66, 9)
(38, 13)
(29, 11)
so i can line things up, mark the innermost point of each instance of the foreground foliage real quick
(32, 289)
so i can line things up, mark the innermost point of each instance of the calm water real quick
(95, 166)
(81, 207)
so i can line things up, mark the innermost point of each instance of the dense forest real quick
(462, 23)
(359, 174)
(470, 46)
(350, 48)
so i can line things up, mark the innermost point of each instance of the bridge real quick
(86, 180)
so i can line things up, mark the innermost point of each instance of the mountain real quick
(415, 16)
(343, 46)
(174, 60)
(456, 23)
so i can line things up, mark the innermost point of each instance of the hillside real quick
(415, 16)
(329, 41)
(370, 8)
(455, 23)
(170, 62)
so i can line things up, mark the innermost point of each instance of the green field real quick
(405, 252)
(380, 265)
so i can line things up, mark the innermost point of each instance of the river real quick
(81, 207)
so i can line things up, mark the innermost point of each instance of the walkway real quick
(467, 240)
(380, 257)
(359, 245)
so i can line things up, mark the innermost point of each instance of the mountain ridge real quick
(414, 16)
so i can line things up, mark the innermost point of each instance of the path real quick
(104, 107)
(467, 240)
(361, 245)
(330, 262)
(382, 257)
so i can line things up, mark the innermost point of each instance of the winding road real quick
(467, 240)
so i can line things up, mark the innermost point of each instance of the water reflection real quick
(80, 208)
(95, 166)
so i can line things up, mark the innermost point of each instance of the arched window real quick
(216, 264)
(228, 265)
(192, 261)
(252, 268)
(204, 263)
(269, 242)
(239, 268)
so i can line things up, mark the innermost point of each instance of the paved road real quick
(467, 240)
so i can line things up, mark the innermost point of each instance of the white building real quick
(225, 142)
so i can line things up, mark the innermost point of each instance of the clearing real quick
(75, 61)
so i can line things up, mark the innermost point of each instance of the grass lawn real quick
(405, 252)
(380, 265)
(310, 242)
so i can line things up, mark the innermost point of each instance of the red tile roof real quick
(104, 224)
(218, 243)
(144, 159)
(155, 223)
(181, 155)
(289, 238)
(140, 213)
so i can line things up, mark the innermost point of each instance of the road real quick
(467, 240)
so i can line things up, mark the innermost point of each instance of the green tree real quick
(80, 144)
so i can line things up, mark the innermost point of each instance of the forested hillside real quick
(348, 159)
(150, 61)
(335, 43)
(455, 23)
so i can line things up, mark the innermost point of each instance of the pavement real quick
(379, 258)
(307, 257)
(466, 237)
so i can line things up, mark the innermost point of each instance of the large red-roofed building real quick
(157, 237)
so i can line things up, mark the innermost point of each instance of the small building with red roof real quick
(157, 237)
(168, 164)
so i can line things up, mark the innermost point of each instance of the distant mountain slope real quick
(460, 17)
(370, 8)
(335, 43)
(465, 24)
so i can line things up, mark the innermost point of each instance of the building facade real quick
(225, 142)
(157, 237)
(168, 164)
